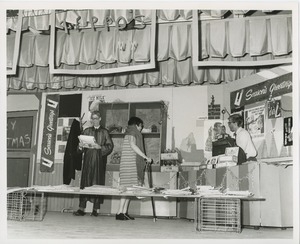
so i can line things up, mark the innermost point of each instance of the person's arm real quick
(243, 139)
(132, 143)
(80, 147)
(245, 142)
(108, 144)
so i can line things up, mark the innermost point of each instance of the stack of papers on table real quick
(207, 190)
(239, 193)
(55, 188)
(101, 189)
(185, 191)
(138, 190)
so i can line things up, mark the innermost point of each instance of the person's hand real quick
(148, 160)
(97, 146)
(80, 145)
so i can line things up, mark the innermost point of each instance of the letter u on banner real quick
(49, 133)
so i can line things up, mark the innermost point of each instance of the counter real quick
(270, 180)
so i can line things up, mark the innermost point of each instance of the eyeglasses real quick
(95, 118)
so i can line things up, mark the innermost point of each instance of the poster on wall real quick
(274, 109)
(288, 131)
(49, 133)
(255, 121)
(212, 131)
(63, 131)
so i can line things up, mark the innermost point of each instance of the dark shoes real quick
(123, 216)
(128, 217)
(94, 213)
(79, 212)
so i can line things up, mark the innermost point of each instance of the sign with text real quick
(19, 132)
(262, 91)
(49, 133)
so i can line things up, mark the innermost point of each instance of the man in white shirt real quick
(242, 136)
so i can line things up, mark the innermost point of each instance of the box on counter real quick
(232, 151)
(169, 156)
(225, 164)
(169, 168)
(229, 158)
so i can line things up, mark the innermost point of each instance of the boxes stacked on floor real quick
(219, 214)
(23, 205)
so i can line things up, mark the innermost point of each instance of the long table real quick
(197, 199)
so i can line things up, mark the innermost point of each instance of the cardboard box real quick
(229, 158)
(169, 156)
(232, 151)
(169, 168)
(225, 164)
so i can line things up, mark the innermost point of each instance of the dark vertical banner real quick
(287, 131)
(49, 133)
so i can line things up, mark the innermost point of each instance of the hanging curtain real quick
(237, 37)
(180, 42)
(71, 48)
(163, 42)
(141, 45)
(87, 54)
(258, 37)
(281, 39)
(105, 51)
(237, 40)
(217, 41)
(41, 50)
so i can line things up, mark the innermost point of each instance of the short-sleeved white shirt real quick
(244, 141)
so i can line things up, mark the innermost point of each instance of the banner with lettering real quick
(49, 133)
(262, 91)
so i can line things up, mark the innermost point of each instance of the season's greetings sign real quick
(49, 133)
(263, 91)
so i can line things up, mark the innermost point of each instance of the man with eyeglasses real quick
(94, 163)
(242, 137)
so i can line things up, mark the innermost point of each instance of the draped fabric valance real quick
(233, 40)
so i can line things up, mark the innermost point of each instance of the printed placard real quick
(288, 131)
(255, 121)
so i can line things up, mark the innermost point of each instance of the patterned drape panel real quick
(236, 39)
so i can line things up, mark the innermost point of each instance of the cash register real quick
(219, 146)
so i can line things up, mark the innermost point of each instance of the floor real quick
(56, 225)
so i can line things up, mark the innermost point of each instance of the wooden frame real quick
(26, 153)
(197, 62)
(17, 45)
(54, 70)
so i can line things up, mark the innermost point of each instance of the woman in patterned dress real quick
(132, 162)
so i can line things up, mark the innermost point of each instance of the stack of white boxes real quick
(230, 158)
(169, 162)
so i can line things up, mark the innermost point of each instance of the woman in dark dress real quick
(94, 163)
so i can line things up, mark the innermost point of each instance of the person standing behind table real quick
(242, 137)
(94, 163)
(132, 163)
